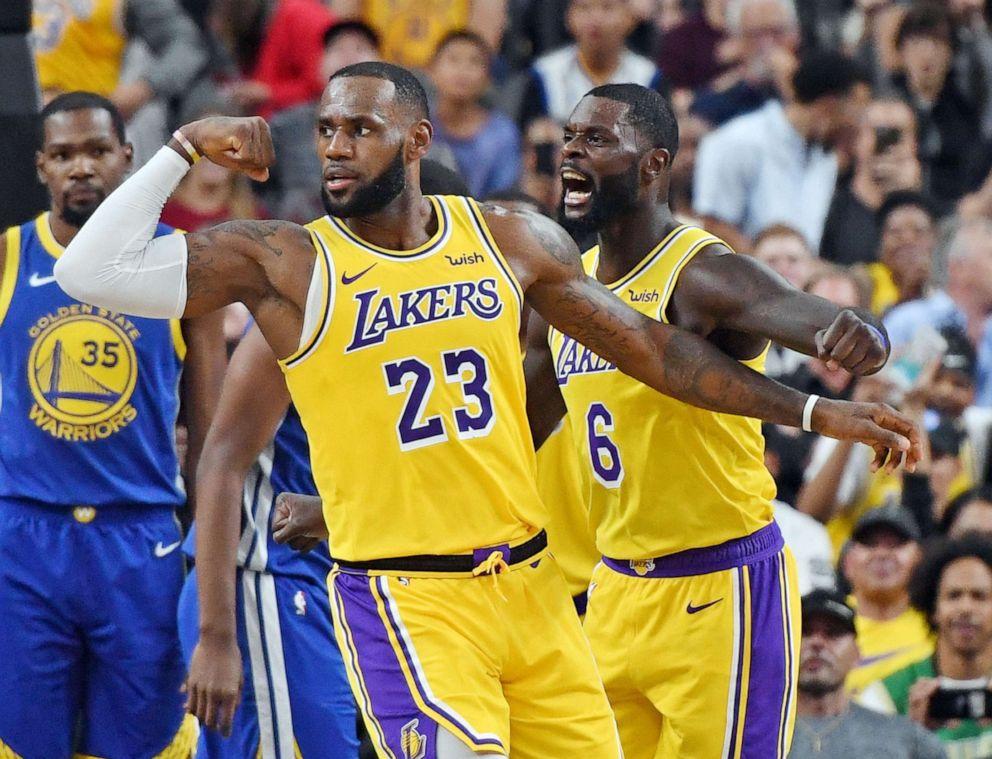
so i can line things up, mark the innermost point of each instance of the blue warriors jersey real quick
(88, 397)
(284, 466)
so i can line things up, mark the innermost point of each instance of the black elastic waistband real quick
(462, 563)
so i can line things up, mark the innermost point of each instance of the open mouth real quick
(576, 186)
(336, 181)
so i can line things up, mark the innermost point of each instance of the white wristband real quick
(808, 413)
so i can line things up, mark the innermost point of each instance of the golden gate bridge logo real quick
(82, 370)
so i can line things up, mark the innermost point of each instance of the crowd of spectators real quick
(847, 144)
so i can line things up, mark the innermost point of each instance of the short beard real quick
(818, 688)
(78, 216)
(374, 196)
(615, 196)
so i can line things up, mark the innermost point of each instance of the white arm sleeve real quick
(114, 262)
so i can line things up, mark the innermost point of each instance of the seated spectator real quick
(599, 56)
(828, 725)
(486, 144)
(955, 155)
(347, 42)
(777, 164)
(969, 512)
(784, 249)
(883, 552)
(764, 40)
(885, 161)
(695, 50)
(411, 29)
(952, 587)
(691, 130)
(965, 303)
(907, 222)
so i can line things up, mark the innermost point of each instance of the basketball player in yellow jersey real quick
(693, 613)
(397, 320)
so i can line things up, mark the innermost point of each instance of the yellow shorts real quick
(700, 666)
(490, 659)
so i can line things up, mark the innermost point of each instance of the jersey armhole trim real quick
(178, 340)
(309, 344)
(482, 229)
(704, 240)
(12, 260)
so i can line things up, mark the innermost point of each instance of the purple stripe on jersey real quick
(739, 674)
(407, 730)
(770, 682)
(421, 686)
(756, 547)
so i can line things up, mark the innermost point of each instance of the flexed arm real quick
(115, 261)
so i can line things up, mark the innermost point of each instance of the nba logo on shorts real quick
(414, 744)
(642, 566)
(300, 602)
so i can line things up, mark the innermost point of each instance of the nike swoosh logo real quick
(882, 657)
(346, 280)
(37, 281)
(161, 550)
(696, 609)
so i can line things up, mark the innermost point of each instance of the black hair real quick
(902, 198)
(926, 19)
(79, 101)
(438, 179)
(649, 111)
(352, 25)
(825, 72)
(924, 585)
(960, 502)
(464, 35)
(409, 91)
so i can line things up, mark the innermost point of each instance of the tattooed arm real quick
(672, 361)
(116, 261)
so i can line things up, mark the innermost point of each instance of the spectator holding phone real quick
(828, 725)
(948, 692)
(965, 303)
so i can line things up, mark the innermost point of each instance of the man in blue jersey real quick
(90, 570)
(256, 595)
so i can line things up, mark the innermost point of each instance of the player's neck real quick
(950, 663)
(625, 241)
(62, 231)
(406, 223)
(829, 704)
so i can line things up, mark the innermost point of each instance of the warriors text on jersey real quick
(88, 397)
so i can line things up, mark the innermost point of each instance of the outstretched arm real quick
(116, 262)
(670, 360)
(719, 290)
(240, 430)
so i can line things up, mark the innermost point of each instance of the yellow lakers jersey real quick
(666, 476)
(411, 29)
(563, 485)
(78, 45)
(412, 394)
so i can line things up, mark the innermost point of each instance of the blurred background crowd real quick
(845, 143)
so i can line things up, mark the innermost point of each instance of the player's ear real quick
(39, 165)
(129, 154)
(419, 139)
(657, 161)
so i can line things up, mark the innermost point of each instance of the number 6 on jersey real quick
(606, 464)
(466, 367)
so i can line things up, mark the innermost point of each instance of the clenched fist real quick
(243, 144)
(851, 343)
